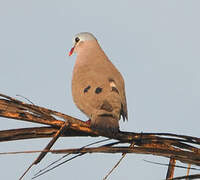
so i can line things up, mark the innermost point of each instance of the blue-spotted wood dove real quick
(97, 86)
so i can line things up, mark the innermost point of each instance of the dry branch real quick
(179, 147)
(184, 156)
(171, 167)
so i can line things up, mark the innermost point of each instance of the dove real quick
(98, 88)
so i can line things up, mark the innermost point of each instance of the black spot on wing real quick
(106, 106)
(115, 90)
(86, 89)
(111, 80)
(98, 90)
(106, 115)
(113, 85)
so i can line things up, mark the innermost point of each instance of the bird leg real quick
(88, 122)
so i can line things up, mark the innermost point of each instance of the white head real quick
(79, 38)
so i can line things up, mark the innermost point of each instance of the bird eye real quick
(77, 39)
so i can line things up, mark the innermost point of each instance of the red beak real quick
(71, 51)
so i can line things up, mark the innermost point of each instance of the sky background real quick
(155, 45)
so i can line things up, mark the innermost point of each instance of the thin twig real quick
(46, 149)
(171, 167)
(115, 166)
(44, 172)
(188, 171)
(193, 176)
(123, 156)
(178, 166)
(93, 143)
(78, 155)
(25, 98)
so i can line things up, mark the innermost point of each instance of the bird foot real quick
(88, 122)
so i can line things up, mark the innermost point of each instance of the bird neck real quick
(90, 52)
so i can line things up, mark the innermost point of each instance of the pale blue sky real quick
(155, 44)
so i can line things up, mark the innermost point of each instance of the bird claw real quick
(88, 122)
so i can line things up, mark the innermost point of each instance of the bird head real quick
(79, 39)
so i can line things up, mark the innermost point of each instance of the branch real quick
(36, 132)
(184, 156)
(171, 167)
(179, 147)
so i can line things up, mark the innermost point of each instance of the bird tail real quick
(106, 123)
